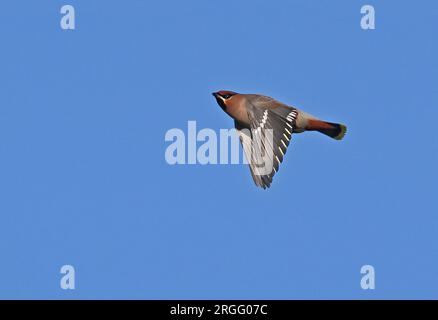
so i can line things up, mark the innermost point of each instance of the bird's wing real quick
(245, 136)
(266, 143)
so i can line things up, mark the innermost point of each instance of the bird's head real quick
(224, 98)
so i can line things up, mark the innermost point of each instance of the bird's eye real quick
(226, 96)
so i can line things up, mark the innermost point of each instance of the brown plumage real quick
(265, 128)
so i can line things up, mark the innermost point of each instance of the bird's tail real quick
(334, 130)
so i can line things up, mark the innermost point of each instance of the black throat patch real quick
(221, 103)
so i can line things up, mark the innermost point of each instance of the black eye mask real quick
(221, 103)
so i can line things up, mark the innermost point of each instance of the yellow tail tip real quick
(341, 134)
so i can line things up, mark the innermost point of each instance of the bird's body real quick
(256, 115)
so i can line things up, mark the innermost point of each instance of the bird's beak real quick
(218, 96)
(220, 100)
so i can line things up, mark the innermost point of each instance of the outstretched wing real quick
(266, 143)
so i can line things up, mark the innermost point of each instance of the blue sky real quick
(83, 179)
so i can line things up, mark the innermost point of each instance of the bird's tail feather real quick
(334, 130)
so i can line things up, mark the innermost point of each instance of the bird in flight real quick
(265, 127)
